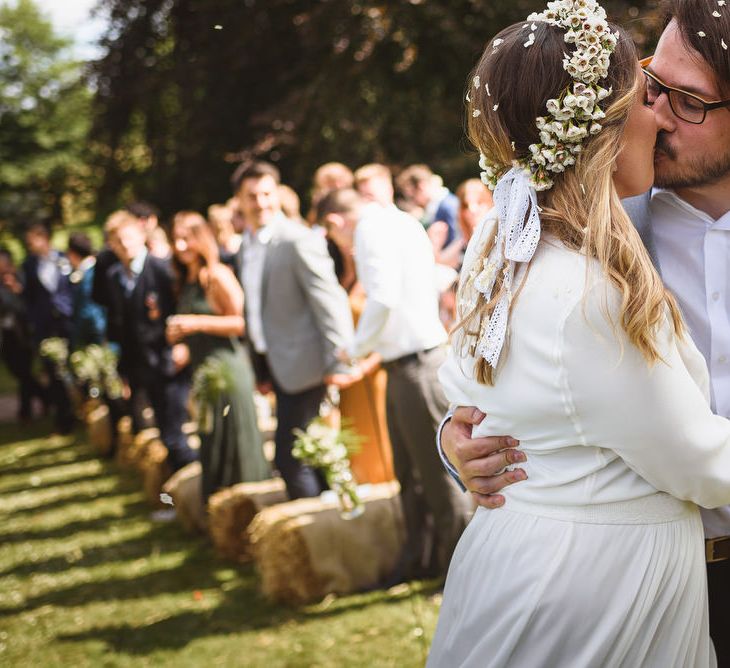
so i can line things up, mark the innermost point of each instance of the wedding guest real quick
(239, 223)
(475, 201)
(15, 340)
(209, 323)
(158, 243)
(89, 319)
(48, 300)
(140, 290)
(681, 219)
(297, 315)
(290, 204)
(328, 177)
(395, 264)
(362, 405)
(375, 183)
(149, 217)
(440, 206)
(220, 219)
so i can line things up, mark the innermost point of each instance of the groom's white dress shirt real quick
(693, 251)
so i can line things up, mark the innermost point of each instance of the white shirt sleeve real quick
(376, 264)
(658, 418)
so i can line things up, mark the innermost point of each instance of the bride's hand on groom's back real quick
(480, 462)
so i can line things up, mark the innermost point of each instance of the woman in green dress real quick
(210, 322)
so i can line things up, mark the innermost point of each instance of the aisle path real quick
(87, 580)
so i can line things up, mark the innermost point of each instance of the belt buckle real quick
(710, 544)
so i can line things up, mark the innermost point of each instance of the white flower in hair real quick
(571, 116)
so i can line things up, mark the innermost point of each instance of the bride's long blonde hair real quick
(582, 209)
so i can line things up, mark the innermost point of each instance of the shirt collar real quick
(136, 265)
(87, 263)
(670, 197)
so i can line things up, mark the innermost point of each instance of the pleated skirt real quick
(621, 584)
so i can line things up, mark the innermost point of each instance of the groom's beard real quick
(674, 172)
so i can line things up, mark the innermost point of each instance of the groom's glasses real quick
(687, 106)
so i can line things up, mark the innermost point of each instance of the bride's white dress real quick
(598, 558)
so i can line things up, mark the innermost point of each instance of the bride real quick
(568, 340)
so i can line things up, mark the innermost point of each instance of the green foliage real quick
(190, 87)
(44, 122)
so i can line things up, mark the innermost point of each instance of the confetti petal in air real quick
(722, 3)
(226, 409)
(530, 40)
(717, 15)
(722, 43)
(495, 107)
(476, 113)
(217, 26)
(488, 93)
(701, 33)
(477, 82)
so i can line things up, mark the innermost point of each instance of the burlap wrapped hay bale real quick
(231, 510)
(186, 489)
(133, 451)
(99, 427)
(304, 550)
(155, 470)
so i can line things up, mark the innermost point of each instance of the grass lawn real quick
(87, 580)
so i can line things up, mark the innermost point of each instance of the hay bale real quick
(155, 470)
(99, 427)
(130, 455)
(186, 489)
(304, 550)
(231, 510)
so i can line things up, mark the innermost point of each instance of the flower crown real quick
(573, 116)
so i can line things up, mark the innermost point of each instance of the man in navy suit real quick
(139, 291)
(47, 295)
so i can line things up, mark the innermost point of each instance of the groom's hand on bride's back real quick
(480, 461)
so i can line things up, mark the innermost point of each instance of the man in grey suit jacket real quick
(297, 315)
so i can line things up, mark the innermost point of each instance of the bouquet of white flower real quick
(96, 367)
(55, 350)
(327, 449)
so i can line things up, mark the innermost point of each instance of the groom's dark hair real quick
(705, 33)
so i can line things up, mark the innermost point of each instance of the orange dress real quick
(363, 406)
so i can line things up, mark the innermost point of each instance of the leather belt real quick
(717, 549)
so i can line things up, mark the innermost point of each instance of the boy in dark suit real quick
(139, 300)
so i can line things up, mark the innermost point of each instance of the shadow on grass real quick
(69, 500)
(48, 460)
(243, 609)
(66, 529)
(114, 546)
(66, 482)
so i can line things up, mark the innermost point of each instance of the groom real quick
(685, 223)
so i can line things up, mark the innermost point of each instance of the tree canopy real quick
(190, 87)
(44, 121)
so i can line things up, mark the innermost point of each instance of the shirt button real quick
(715, 296)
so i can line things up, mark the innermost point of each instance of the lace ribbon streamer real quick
(518, 233)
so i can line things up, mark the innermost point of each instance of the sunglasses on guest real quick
(687, 106)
